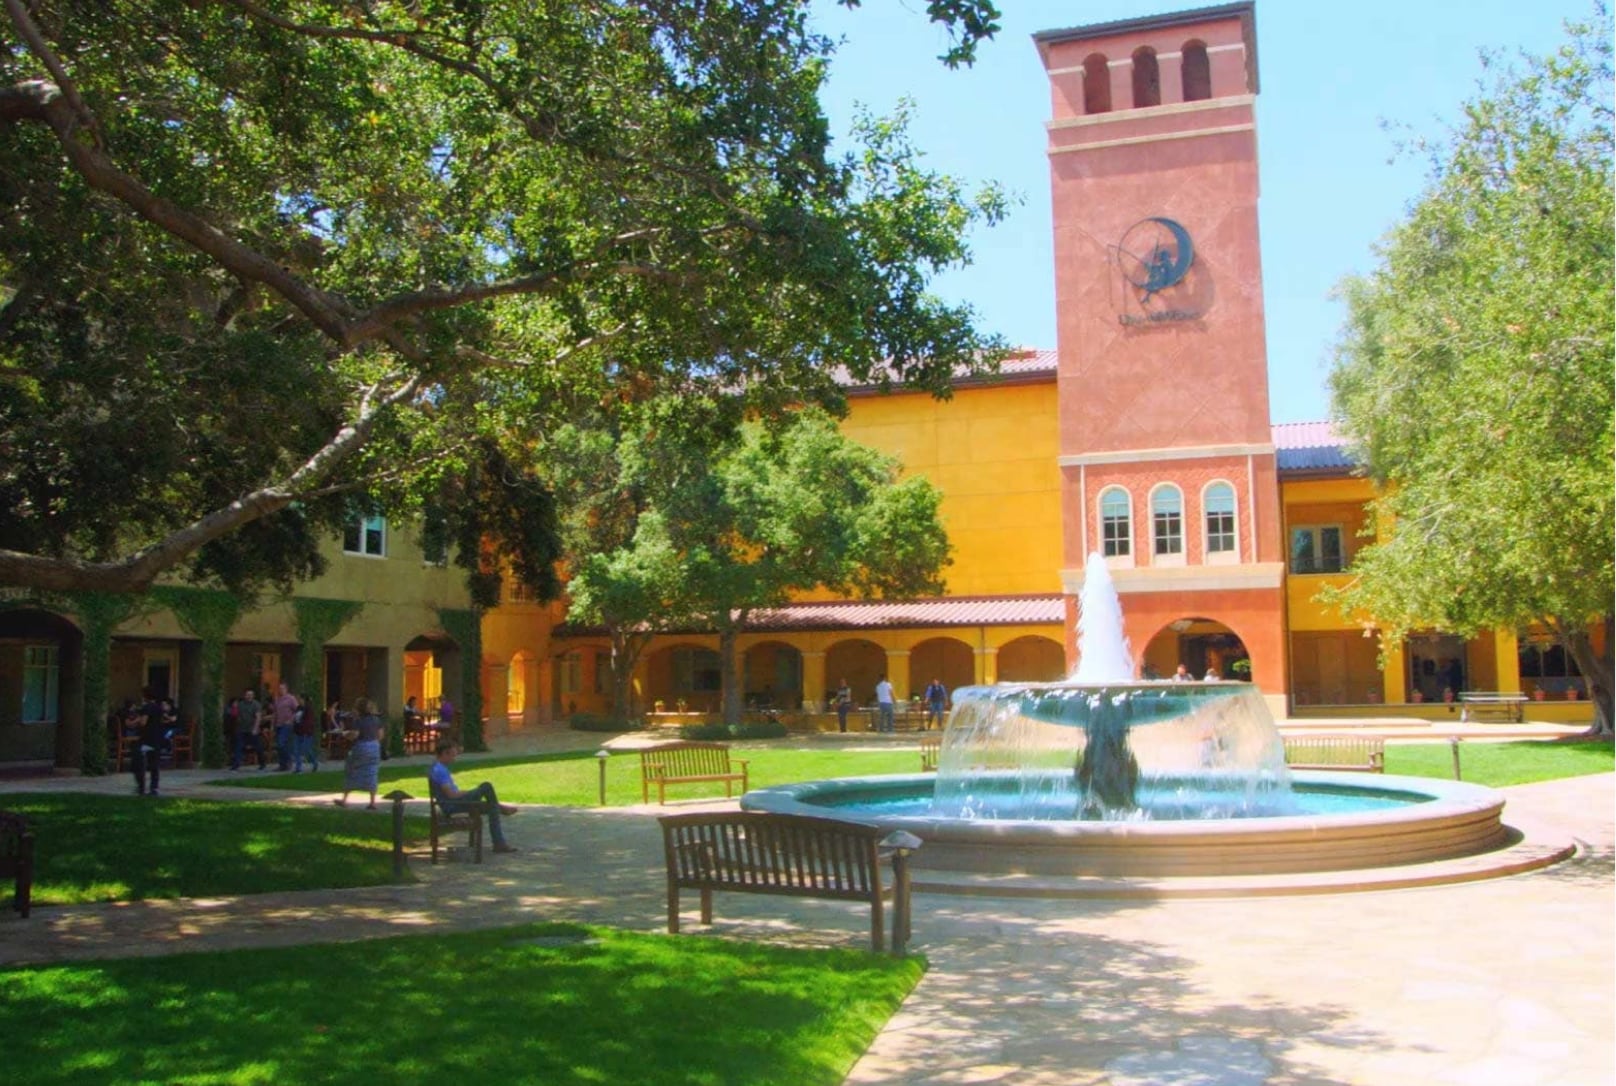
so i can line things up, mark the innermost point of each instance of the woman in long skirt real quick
(363, 767)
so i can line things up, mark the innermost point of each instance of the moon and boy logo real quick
(1153, 262)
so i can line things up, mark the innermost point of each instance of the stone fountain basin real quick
(1443, 820)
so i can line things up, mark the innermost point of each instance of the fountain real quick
(1105, 776)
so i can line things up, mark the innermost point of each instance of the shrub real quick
(710, 730)
(589, 722)
(751, 729)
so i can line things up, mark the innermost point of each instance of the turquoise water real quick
(1161, 802)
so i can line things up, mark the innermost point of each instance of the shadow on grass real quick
(115, 848)
(533, 1004)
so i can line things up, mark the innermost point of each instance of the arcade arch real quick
(1032, 659)
(1203, 645)
(861, 662)
(943, 658)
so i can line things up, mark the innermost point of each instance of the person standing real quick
(844, 704)
(454, 801)
(303, 738)
(884, 704)
(936, 702)
(362, 770)
(446, 717)
(247, 713)
(1182, 675)
(283, 712)
(149, 742)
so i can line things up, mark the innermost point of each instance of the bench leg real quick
(706, 906)
(877, 924)
(673, 907)
(434, 836)
(477, 836)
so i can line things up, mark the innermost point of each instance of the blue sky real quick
(1333, 76)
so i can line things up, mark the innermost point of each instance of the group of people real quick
(288, 720)
(935, 699)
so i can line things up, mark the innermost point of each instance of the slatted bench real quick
(17, 858)
(1358, 753)
(931, 749)
(792, 855)
(444, 823)
(687, 762)
(1481, 705)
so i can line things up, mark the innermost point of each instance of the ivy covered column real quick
(466, 628)
(99, 614)
(208, 615)
(318, 621)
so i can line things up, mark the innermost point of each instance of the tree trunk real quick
(728, 667)
(626, 649)
(1598, 669)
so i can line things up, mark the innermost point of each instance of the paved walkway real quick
(1504, 983)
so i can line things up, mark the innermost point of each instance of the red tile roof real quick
(1023, 364)
(1305, 435)
(886, 614)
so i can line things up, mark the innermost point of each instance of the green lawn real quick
(1500, 764)
(551, 1004)
(121, 848)
(572, 778)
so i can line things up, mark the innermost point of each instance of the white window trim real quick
(1156, 557)
(362, 553)
(1208, 555)
(1117, 561)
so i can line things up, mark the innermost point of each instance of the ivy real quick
(318, 621)
(207, 614)
(99, 614)
(466, 628)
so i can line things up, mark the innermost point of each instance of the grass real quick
(543, 1003)
(572, 778)
(122, 848)
(1501, 764)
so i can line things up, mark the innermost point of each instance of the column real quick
(814, 694)
(1392, 668)
(987, 666)
(898, 673)
(1507, 661)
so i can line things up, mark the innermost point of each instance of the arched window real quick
(1116, 523)
(1167, 521)
(1096, 84)
(1197, 72)
(1146, 78)
(1218, 502)
(516, 683)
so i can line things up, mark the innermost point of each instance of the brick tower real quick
(1167, 454)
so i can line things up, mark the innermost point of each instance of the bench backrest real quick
(1333, 749)
(931, 749)
(1483, 698)
(684, 759)
(773, 853)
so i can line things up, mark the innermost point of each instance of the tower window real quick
(1167, 520)
(1116, 524)
(1316, 549)
(1197, 72)
(1096, 84)
(1219, 503)
(1146, 78)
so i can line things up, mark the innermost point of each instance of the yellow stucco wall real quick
(992, 452)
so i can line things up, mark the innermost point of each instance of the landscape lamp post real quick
(600, 760)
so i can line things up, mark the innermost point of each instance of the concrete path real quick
(1506, 982)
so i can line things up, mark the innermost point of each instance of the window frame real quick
(50, 670)
(1126, 555)
(1316, 561)
(1159, 556)
(1231, 554)
(365, 524)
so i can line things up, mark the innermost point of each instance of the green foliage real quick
(1499, 765)
(318, 621)
(589, 722)
(99, 614)
(260, 258)
(209, 615)
(592, 1004)
(746, 729)
(1475, 377)
(124, 848)
(466, 629)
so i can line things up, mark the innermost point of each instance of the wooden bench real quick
(686, 762)
(17, 858)
(445, 823)
(931, 749)
(1486, 705)
(1358, 753)
(793, 855)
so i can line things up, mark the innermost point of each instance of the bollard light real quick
(1454, 744)
(600, 759)
(398, 796)
(900, 843)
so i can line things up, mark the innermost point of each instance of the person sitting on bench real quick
(454, 801)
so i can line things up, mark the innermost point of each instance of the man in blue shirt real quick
(936, 703)
(454, 801)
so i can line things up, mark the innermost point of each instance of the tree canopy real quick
(259, 259)
(786, 508)
(1474, 377)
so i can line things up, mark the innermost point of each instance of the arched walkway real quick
(1206, 647)
(943, 658)
(1032, 660)
(860, 662)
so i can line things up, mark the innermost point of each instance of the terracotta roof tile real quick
(1310, 446)
(886, 614)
